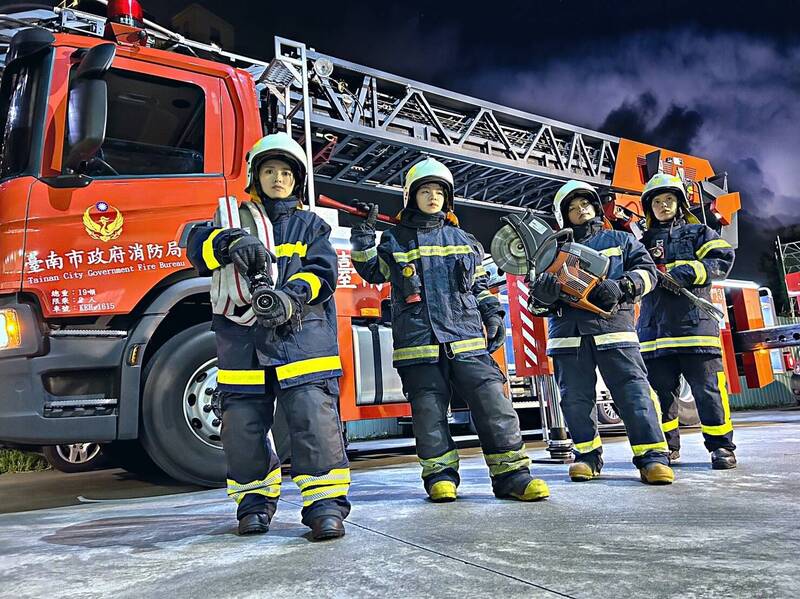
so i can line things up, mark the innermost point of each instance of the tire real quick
(178, 429)
(687, 410)
(75, 457)
(607, 413)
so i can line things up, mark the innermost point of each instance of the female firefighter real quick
(288, 352)
(440, 304)
(581, 342)
(677, 338)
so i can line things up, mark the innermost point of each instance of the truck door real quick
(98, 249)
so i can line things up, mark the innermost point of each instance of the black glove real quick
(545, 289)
(495, 333)
(368, 224)
(222, 242)
(248, 254)
(670, 284)
(606, 295)
(683, 275)
(274, 308)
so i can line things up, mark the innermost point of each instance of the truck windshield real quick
(18, 93)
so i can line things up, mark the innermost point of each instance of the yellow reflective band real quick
(679, 342)
(459, 347)
(208, 250)
(268, 487)
(508, 461)
(558, 342)
(310, 497)
(420, 351)
(333, 477)
(484, 295)
(640, 450)
(609, 338)
(714, 244)
(432, 250)
(480, 271)
(615, 251)
(312, 280)
(656, 403)
(700, 274)
(588, 446)
(287, 250)
(310, 366)
(384, 268)
(363, 255)
(440, 463)
(240, 377)
(646, 279)
(670, 425)
(727, 425)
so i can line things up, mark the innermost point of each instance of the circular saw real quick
(526, 246)
(524, 243)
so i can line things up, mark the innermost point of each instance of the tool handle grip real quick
(324, 200)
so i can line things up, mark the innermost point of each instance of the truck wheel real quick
(74, 457)
(687, 410)
(179, 430)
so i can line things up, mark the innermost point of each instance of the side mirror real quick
(87, 111)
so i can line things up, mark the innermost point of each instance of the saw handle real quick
(579, 299)
(324, 200)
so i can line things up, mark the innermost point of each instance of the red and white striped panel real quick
(528, 332)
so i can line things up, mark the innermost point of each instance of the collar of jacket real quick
(416, 219)
(586, 230)
(279, 209)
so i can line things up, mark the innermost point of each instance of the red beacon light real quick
(126, 12)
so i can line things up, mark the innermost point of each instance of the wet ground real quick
(711, 534)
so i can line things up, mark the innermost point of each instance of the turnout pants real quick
(247, 394)
(706, 377)
(479, 381)
(623, 371)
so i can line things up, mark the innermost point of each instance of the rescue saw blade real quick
(508, 251)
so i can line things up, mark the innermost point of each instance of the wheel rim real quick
(609, 411)
(78, 453)
(197, 410)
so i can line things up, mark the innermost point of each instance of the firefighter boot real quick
(723, 459)
(535, 490)
(327, 527)
(254, 524)
(582, 471)
(655, 473)
(674, 456)
(443, 491)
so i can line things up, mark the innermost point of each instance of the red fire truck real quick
(118, 136)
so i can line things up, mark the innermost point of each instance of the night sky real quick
(720, 80)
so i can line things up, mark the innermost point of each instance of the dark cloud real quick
(676, 129)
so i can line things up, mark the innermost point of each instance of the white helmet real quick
(281, 146)
(664, 183)
(569, 190)
(429, 171)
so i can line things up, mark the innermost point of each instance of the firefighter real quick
(289, 353)
(582, 342)
(440, 304)
(677, 338)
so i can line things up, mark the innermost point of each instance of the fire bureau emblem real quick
(106, 227)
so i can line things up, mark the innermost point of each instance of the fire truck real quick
(119, 135)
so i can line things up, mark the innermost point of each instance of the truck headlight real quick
(10, 334)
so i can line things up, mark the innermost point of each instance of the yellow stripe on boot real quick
(443, 491)
(535, 491)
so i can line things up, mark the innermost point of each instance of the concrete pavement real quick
(711, 534)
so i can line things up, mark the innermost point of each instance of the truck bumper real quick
(61, 386)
